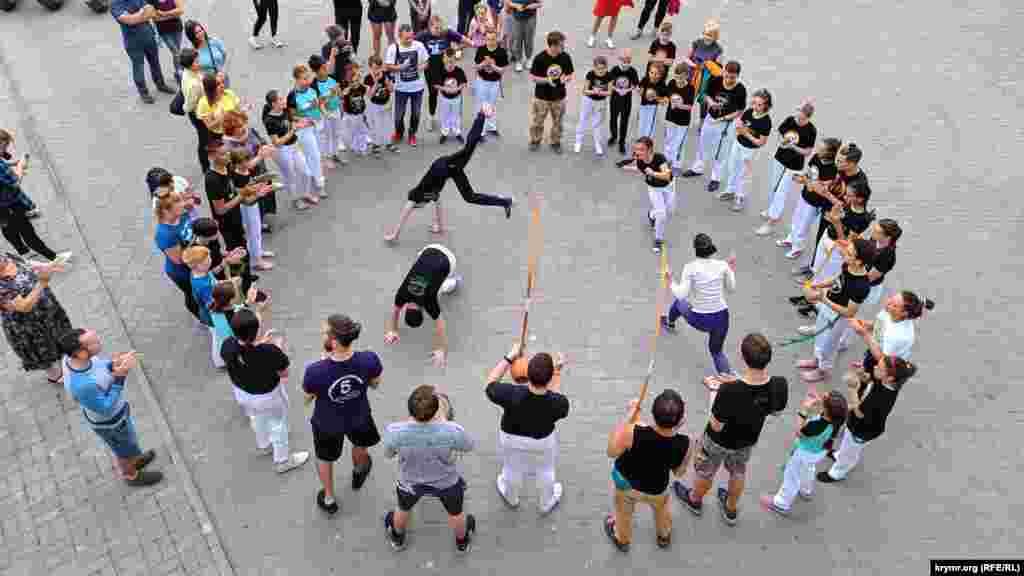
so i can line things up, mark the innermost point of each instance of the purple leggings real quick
(715, 324)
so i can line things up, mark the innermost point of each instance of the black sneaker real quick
(556, 148)
(463, 545)
(534, 146)
(609, 530)
(622, 148)
(166, 89)
(508, 210)
(831, 455)
(798, 301)
(713, 186)
(691, 174)
(669, 327)
(495, 133)
(147, 98)
(321, 503)
(825, 478)
(144, 460)
(144, 478)
(730, 517)
(396, 540)
(807, 311)
(682, 491)
(650, 220)
(359, 478)
(611, 141)
(443, 139)
(460, 139)
(658, 244)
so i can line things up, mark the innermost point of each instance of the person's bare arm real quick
(391, 332)
(621, 438)
(25, 304)
(680, 471)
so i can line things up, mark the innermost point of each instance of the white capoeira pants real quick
(356, 132)
(294, 171)
(826, 344)
(716, 139)
(592, 114)
(218, 360)
(309, 142)
(828, 260)
(332, 133)
(381, 122)
(253, 230)
(800, 222)
(741, 161)
(798, 477)
(487, 93)
(780, 184)
(451, 115)
(850, 450)
(268, 416)
(520, 455)
(647, 121)
(663, 205)
(675, 143)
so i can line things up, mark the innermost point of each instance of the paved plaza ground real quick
(929, 90)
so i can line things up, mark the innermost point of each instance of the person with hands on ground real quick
(427, 451)
(657, 174)
(97, 385)
(33, 319)
(644, 455)
(338, 386)
(257, 365)
(550, 72)
(450, 166)
(529, 414)
(738, 412)
(432, 274)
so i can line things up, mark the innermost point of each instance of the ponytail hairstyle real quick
(914, 306)
(891, 229)
(832, 146)
(268, 103)
(835, 407)
(899, 369)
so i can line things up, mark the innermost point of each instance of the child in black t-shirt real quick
(596, 90)
(353, 103)
(663, 49)
(677, 116)
(452, 84)
(251, 193)
(752, 129)
(653, 92)
(378, 109)
(625, 80)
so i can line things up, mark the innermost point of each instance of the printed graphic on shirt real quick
(555, 72)
(346, 388)
(408, 60)
(418, 285)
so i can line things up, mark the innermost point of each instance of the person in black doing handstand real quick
(451, 166)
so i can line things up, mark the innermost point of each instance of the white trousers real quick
(332, 133)
(828, 259)
(741, 162)
(798, 476)
(848, 456)
(294, 172)
(675, 143)
(253, 230)
(716, 138)
(663, 205)
(800, 222)
(779, 186)
(647, 121)
(450, 110)
(592, 114)
(309, 142)
(520, 455)
(827, 343)
(487, 93)
(218, 361)
(268, 416)
(356, 132)
(381, 122)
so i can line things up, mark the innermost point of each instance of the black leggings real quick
(432, 76)
(452, 166)
(262, 8)
(190, 300)
(619, 118)
(645, 14)
(349, 15)
(203, 134)
(22, 235)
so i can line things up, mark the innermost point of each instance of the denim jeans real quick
(139, 55)
(415, 101)
(119, 435)
(173, 42)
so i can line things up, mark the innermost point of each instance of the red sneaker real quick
(396, 138)
(412, 140)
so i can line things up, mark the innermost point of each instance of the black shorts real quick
(420, 197)
(328, 446)
(381, 14)
(451, 497)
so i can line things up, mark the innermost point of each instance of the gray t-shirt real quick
(426, 452)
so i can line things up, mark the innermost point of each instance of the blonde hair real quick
(666, 27)
(194, 255)
(300, 70)
(164, 201)
(481, 6)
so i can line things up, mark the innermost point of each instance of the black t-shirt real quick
(681, 95)
(422, 283)
(652, 92)
(658, 163)
(853, 223)
(340, 62)
(241, 181)
(814, 427)
(885, 261)
(731, 99)
(448, 76)
(218, 187)
(546, 66)
(253, 369)
(647, 464)
(742, 408)
(379, 92)
(876, 407)
(278, 125)
(807, 135)
(847, 287)
(759, 126)
(662, 51)
(354, 100)
(826, 172)
(624, 80)
(525, 413)
(500, 56)
(595, 82)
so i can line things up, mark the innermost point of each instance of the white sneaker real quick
(294, 461)
(519, 66)
(255, 43)
(806, 330)
(764, 230)
(265, 451)
(764, 215)
(577, 148)
(278, 43)
(556, 497)
(62, 257)
(599, 151)
(503, 492)
(794, 253)
(591, 41)
(608, 42)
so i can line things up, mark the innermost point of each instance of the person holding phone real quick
(33, 320)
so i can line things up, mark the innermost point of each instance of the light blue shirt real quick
(96, 389)
(212, 56)
(426, 452)
(815, 444)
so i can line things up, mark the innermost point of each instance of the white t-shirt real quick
(703, 284)
(410, 77)
(894, 338)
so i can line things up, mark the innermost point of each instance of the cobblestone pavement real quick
(929, 90)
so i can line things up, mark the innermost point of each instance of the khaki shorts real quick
(711, 456)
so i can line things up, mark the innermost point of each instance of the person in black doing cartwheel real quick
(451, 166)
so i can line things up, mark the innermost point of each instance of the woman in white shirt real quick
(192, 90)
(699, 297)
(892, 332)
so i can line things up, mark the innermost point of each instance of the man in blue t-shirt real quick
(338, 384)
(139, 38)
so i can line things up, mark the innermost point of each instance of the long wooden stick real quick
(535, 243)
(660, 300)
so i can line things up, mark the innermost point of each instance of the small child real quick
(818, 421)
(480, 24)
(625, 81)
(357, 131)
(452, 85)
(241, 178)
(663, 49)
(331, 136)
(205, 232)
(378, 110)
(596, 89)
(197, 258)
(653, 92)
(490, 61)
(677, 116)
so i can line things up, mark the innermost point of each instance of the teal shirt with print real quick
(331, 101)
(306, 103)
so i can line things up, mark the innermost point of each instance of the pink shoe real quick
(808, 364)
(785, 243)
(812, 376)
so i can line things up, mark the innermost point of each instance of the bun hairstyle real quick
(914, 306)
(703, 246)
(832, 146)
(891, 229)
(343, 329)
(852, 153)
(836, 408)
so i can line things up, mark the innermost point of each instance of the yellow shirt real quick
(227, 103)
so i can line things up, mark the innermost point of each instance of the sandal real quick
(57, 382)
(436, 229)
